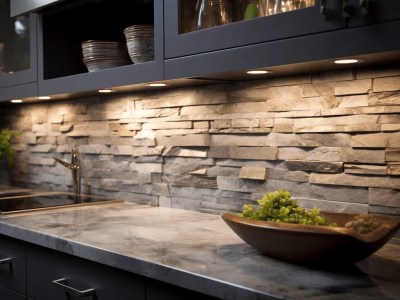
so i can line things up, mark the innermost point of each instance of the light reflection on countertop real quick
(197, 251)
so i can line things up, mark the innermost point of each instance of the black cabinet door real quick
(180, 42)
(365, 12)
(55, 275)
(156, 290)
(18, 54)
(12, 264)
(7, 294)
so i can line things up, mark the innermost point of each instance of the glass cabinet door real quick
(199, 26)
(367, 12)
(18, 61)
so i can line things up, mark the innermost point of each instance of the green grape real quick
(279, 206)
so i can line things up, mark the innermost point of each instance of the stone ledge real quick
(355, 180)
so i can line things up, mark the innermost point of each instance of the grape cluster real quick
(279, 206)
(363, 224)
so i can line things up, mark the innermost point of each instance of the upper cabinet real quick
(206, 38)
(92, 44)
(199, 26)
(18, 55)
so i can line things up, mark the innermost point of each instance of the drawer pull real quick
(62, 283)
(5, 261)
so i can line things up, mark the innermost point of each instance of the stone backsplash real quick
(332, 139)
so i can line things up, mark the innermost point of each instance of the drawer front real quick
(55, 275)
(13, 264)
(7, 294)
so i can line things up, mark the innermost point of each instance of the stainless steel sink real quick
(50, 200)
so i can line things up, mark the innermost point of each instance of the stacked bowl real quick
(99, 55)
(140, 42)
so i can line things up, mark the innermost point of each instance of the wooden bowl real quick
(312, 244)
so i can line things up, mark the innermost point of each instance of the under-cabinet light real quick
(106, 91)
(347, 61)
(157, 84)
(16, 101)
(44, 97)
(258, 72)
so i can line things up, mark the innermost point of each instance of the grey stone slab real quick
(322, 192)
(365, 169)
(355, 180)
(308, 140)
(237, 140)
(185, 152)
(329, 154)
(288, 175)
(377, 140)
(314, 166)
(337, 207)
(200, 140)
(189, 180)
(384, 197)
(240, 185)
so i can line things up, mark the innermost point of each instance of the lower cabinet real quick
(33, 272)
(7, 294)
(55, 275)
(12, 265)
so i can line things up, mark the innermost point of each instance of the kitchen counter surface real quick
(199, 252)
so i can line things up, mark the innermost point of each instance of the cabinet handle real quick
(62, 283)
(5, 261)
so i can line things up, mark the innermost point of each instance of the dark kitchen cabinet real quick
(18, 54)
(7, 294)
(55, 275)
(304, 39)
(182, 38)
(64, 26)
(12, 266)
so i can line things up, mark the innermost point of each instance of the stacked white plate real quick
(140, 42)
(99, 55)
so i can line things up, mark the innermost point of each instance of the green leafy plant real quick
(279, 206)
(6, 150)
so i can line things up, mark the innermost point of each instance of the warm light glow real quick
(105, 91)
(258, 72)
(347, 61)
(157, 84)
(44, 97)
(16, 101)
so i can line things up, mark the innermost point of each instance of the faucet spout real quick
(75, 167)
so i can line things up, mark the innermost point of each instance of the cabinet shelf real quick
(63, 28)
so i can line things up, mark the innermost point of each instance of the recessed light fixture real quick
(157, 84)
(16, 101)
(106, 91)
(258, 72)
(345, 61)
(44, 97)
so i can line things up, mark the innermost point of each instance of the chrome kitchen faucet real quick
(75, 167)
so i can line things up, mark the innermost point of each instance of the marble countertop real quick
(199, 252)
